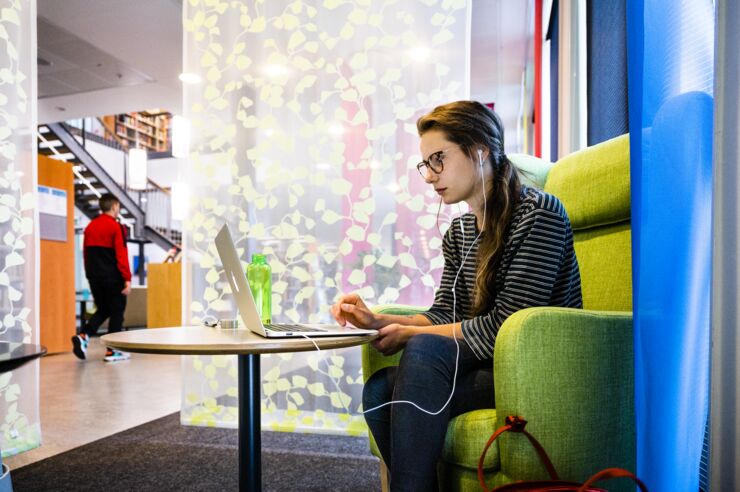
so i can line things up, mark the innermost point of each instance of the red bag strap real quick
(515, 424)
(608, 473)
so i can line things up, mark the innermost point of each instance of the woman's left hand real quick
(393, 337)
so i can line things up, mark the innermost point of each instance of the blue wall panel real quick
(671, 66)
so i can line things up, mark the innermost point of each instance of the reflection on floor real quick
(82, 401)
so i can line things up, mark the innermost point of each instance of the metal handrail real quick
(75, 170)
(122, 143)
(158, 186)
(151, 208)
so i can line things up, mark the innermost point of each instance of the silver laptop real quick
(248, 309)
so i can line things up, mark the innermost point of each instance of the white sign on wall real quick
(52, 213)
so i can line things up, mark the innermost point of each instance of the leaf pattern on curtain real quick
(20, 429)
(304, 142)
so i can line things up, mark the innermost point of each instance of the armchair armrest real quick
(570, 374)
(372, 360)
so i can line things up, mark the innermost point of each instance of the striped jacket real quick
(538, 268)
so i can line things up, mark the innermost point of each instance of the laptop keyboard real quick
(281, 327)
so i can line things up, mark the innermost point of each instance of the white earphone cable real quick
(454, 315)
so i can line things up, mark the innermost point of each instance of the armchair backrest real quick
(594, 186)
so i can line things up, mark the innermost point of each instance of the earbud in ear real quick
(480, 157)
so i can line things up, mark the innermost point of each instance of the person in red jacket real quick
(108, 273)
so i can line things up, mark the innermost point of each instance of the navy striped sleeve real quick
(532, 262)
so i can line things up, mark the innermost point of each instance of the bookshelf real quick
(146, 129)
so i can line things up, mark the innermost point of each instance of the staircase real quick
(147, 213)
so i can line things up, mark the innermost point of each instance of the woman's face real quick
(460, 177)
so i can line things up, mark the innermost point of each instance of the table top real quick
(14, 355)
(203, 340)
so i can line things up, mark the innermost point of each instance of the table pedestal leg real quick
(250, 460)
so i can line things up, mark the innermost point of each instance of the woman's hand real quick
(393, 337)
(351, 307)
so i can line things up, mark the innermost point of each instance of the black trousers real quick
(110, 303)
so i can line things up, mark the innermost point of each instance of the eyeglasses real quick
(434, 163)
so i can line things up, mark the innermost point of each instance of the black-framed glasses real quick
(434, 163)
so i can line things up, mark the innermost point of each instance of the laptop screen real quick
(238, 280)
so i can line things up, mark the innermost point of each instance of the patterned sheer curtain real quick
(304, 142)
(19, 430)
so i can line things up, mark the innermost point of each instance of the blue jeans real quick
(410, 440)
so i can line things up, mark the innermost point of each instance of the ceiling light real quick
(275, 70)
(190, 78)
(336, 129)
(420, 53)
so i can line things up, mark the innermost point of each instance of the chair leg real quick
(384, 477)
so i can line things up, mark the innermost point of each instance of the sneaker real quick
(79, 346)
(116, 355)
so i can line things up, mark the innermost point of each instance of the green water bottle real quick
(259, 275)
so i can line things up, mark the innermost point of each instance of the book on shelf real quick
(147, 129)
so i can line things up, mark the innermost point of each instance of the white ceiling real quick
(142, 40)
(116, 56)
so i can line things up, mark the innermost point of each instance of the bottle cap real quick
(259, 259)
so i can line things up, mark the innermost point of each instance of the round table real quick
(247, 346)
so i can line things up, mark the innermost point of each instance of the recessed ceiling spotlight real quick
(190, 78)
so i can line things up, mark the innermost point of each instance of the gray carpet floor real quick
(163, 455)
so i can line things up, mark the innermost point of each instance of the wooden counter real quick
(164, 295)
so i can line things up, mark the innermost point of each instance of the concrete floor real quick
(82, 401)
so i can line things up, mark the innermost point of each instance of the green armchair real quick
(569, 372)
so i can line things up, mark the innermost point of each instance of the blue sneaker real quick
(79, 346)
(115, 355)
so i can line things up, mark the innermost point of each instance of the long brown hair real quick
(471, 125)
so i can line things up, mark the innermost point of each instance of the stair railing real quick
(156, 201)
(83, 156)
(152, 204)
(60, 157)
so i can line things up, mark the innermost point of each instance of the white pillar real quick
(725, 375)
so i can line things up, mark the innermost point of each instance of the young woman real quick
(512, 251)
